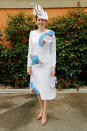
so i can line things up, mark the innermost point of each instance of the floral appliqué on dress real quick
(44, 38)
(32, 88)
(35, 59)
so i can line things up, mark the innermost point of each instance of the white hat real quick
(39, 12)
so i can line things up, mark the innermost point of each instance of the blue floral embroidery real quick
(53, 81)
(51, 33)
(34, 60)
(45, 35)
(31, 85)
(40, 40)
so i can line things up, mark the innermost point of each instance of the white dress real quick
(41, 58)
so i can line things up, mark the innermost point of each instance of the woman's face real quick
(41, 22)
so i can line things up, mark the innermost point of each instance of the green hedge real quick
(13, 65)
(71, 33)
(71, 36)
(13, 61)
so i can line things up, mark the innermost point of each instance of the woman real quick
(42, 62)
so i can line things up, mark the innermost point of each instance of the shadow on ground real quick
(67, 112)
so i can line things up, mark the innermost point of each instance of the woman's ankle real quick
(44, 114)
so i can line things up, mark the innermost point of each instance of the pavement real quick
(26, 91)
(19, 108)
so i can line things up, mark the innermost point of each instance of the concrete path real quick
(68, 112)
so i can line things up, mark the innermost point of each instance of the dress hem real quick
(48, 98)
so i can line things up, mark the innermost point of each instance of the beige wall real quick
(44, 3)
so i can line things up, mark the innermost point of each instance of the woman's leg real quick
(45, 106)
(44, 118)
(41, 102)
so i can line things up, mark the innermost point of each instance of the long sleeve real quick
(29, 62)
(53, 51)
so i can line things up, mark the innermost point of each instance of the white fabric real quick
(39, 11)
(43, 16)
(41, 72)
(53, 81)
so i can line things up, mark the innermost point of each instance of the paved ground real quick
(12, 100)
(68, 112)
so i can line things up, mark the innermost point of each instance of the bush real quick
(14, 60)
(14, 65)
(18, 28)
(71, 36)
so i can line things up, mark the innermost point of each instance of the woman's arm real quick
(53, 55)
(29, 62)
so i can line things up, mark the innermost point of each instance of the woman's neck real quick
(41, 29)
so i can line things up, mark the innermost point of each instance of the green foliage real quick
(1, 34)
(71, 34)
(13, 61)
(18, 28)
(71, 37)
(13, 65)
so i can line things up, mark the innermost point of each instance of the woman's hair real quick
(37, 17)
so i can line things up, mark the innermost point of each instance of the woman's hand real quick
(29, 71)
(52, 71)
